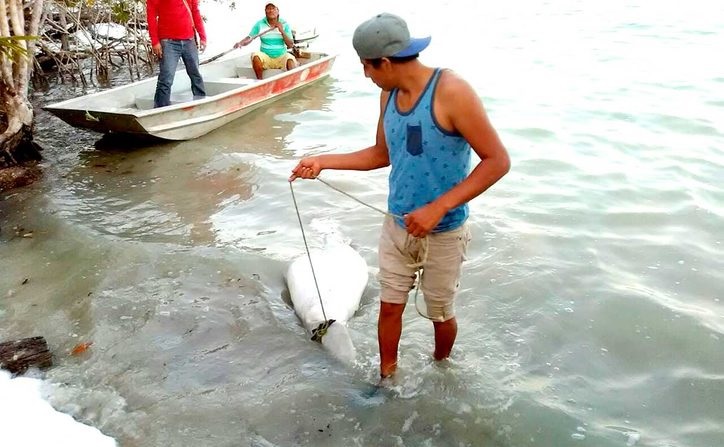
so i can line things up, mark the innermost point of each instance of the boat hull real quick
(128, 109)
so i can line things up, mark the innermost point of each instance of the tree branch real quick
(16, 24)
(16, 18)
(6, 64)
(35, 13)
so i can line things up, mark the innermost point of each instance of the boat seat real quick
(146, 102)
(218, 86)
(248, 72)
(271, 72)
(235, 81)
(245, 72)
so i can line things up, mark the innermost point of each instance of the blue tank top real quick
(426, 160)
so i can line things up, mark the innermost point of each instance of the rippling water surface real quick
(591, 306)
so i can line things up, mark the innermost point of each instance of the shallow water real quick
(590, 311)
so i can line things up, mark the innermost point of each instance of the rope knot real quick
(420, 259)
(321, 330)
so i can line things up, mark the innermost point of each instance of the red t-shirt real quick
(170, 19)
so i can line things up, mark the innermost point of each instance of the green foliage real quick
(11, 48)
(123, 10)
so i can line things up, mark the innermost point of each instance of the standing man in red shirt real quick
(173, 25)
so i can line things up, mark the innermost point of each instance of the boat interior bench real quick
(248, 72)
(146, 102)
(221, 85)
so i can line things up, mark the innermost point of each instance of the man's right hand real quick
(157, 50)
(243, 42)
(308, 168)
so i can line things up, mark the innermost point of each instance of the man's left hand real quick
(202, 46)
(422, 221)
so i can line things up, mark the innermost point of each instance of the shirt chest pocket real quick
(414, 139)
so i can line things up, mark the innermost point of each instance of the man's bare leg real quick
(291, 64)
(389, 329)
(445, 334)
(258, 67)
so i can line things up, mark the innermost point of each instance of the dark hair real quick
(395, 60)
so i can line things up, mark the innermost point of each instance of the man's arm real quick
(152, 21)
(199, 24)
(373, 157)
(286, 31)
(462, 109)
(243, 42)
(247, 40)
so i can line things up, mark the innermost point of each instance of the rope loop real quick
(321, 330)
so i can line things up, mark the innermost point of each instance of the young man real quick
(274, 44)
(429, 121)
(172, 25)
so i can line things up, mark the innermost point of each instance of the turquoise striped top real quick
(272, 43)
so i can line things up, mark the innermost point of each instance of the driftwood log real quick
(19, 355)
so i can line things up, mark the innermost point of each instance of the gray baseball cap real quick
(386, 35)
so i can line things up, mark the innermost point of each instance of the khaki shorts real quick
(446, 252)
(273, 62)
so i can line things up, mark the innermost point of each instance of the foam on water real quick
(28, 419)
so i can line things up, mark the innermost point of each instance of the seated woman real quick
(276, 38)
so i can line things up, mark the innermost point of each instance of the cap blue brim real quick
(415, 47)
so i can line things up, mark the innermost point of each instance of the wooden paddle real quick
(220, 55)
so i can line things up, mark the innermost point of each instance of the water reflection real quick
(169, 191)
(268, 130)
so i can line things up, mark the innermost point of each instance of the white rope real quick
(386, 213)
(306, 247)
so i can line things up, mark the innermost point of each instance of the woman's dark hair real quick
(395, 60)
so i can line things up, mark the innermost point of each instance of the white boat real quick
(231, 87)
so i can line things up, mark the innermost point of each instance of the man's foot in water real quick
(386, 382)
(387, 374)
(388, 370)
